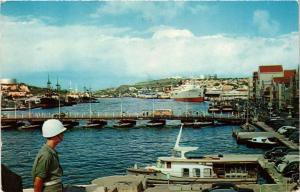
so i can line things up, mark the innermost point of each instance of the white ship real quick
(188, 93)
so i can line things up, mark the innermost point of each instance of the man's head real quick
(53, 128)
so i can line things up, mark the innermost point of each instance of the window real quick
(169, 165)
(185, 172)
(207, 172)
(196, 172)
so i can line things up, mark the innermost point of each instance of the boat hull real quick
(194, 99)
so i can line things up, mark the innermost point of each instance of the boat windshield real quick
(158, 164)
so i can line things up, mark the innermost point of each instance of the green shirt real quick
(46, 165)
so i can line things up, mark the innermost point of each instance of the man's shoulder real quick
(45, 151)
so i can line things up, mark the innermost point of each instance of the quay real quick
(145, 183)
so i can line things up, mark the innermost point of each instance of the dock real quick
(278, 136)
(144, 183)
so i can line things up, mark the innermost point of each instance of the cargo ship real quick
(188, 93)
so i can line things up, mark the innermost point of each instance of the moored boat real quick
(199, 124)
(261, 142)
(248, 127)
(214, 168)
(95, 124)
(125, 123)
(156, 123)
(28, 127)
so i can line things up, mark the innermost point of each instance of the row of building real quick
(276, 86)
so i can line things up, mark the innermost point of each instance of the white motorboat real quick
(261, 142)
(178, 167)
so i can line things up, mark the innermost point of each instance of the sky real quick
(106, 44)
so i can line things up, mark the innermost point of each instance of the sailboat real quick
(247, 126)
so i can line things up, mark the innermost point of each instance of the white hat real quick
(52, 127)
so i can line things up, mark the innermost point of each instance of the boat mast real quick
(178, 137)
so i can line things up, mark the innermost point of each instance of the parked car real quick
(61, 115)
(289, 132)
(294, 137)
(274, 152)
(226, 187)
(279, 155)
(283, 162)
(284, 129)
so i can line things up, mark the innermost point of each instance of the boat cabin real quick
(184, 169)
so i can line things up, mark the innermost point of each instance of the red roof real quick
(289, 73)
(281, 80)
(270, 68)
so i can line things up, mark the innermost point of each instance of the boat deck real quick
(228, 158)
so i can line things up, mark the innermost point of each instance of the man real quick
(46, 170)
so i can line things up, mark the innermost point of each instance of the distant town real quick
(270, 84)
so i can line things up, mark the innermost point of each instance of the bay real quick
(86, 154)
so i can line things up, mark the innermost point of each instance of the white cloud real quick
(151, 11)
(172, 33)
(34, 47)
(264, 23)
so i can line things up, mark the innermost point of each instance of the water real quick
(87, 154)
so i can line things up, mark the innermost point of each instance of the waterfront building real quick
(264, 82)
(272, 84)
(12, 89)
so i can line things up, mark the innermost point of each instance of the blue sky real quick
(105, 44)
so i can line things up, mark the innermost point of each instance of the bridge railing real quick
(116, 115)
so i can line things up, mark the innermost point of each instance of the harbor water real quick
(86, 154)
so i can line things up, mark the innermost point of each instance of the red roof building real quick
(281, 80)
(271, 69)
(289, 73)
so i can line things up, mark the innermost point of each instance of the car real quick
(286, 163)
(289, 132)
(283, 129)
(294, 137)
(226, 187)
(59, 115)
(279, 155)
(274, 151)
(291, 169)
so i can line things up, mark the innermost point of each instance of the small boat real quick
(187, 123)
(214, 109)
(125, 123)
(6, 127)
(202, 124)
(248, 127)
(92, 125)
(95, 124)
(28, 127)
(261, 142)
(227, 109)
(156, 123)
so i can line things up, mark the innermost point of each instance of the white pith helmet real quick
(52, 127)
